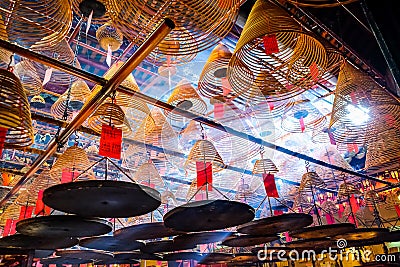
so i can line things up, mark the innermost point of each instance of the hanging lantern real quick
(109, 37)
(15, 115)
(109, 113)
(204, 151)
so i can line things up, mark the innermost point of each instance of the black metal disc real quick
(102, 198)
(33, 242)
(164, 246)
(276, 224)
(206, 215)
(202, 238)
(110, 243)
(183, 256)
(116, 261)
(241, 258)
(87, 6)
(248, 240)
(322, 231)
(62, 260)
(134, 255)
(312, 243)
(43, 253)
(216, 257)
(362, 234)
(63, 226)
(146, 231)
(84, 254)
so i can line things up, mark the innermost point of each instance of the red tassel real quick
(226, 86)
(110, 142)
(341, 210)
(302, 126)
(219, 109)
(270, 44)
(3, 133)
(204, 174)
(40, 208)
(354, 204)
(269, 185)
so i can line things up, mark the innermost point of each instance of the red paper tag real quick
(110, 142)
(278, 212)
(204, 175)
(270, 44)
(25, 212)
(226, 86)
(7, 227)
(269, 185)
(40, 208)
(354, 204)
(287, 237)
(68, 176)
(397, 207)
(314, 71)
(6, 178)
(352, 148)
(3, 133)
(302, 126)
(219, 109)
(329, 218)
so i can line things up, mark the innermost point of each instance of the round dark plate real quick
(62, 260)
(241, 258)
(248, 240)
(362, 234)
(322, 231)
(216, 257)
(183, 256)
(85, 254)
(202, 238)
(63, 226)
(133, 255)
(208, 215)
(165, 246)
(146, 231)
(102, 198)
(312, 243)
(34, 242)
(110, 243)
(116, 261)
(276, 224)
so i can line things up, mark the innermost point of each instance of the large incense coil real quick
(74, 159)
(40, 182)
(99, 15)
(143, 132)
(15, 112)
(37, 26)
(320, 3)
(5, 55)
(148, 175)
(29, 78)
(280, 75)
(267, 110)
(372, 199)
(262, 166)
(359, 104)
(11, 212)
(321, 136)
(204, 151)
(185, 97)
(74, 97)
(335, 62)
(347, 189)
(61, 52)
(109, 113)
(311, 116)
(109, 37)
(207, 192)
(310, 180)
(136, 19)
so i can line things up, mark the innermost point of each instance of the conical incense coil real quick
(36, 25)
(109, 113)
(204, 151)
(296, 62)
(346, 190)
(147, 174)
(29, 78)
(310, 180)
(262, 166)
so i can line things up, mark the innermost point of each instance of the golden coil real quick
(34, 25)
(309, 180)
(320, 3)
(268, 110)
(15, 112)
(142, 133)
(372, 198)
(5, 55)
(96, 18)
(109, 113)
(61, 52)
(312, 118)
(357, 92)
(185, 97)
(41, 182)
(147, 174)
(108, 36)
(335, 62)
(280, 75)
(204, 151)
(347, 189)
(199, 24)
(262, 166)
(29, 78)
(11, 212)
(74, 159)
(79, 93)
(329, 206)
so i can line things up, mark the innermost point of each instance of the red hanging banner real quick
(397, 207)
(226, 86)
(25, 212)
(110, 142)
(270, 44)
(7, 227)
(269, 185)
(204, 175)
(40, 208)
(314, 72)
(3, 133)
(302, 126)
(329, 218)
(67, 176)
(219, 109)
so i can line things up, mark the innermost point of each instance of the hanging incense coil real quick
(309, 180)
(262, 166)
(185, 97)
(204, 151)
(335, 62)
(148, 175)
(303, 117)
(11, 212)
(15, 112)
(109, 113)
(62, 52)
(29, 78)
(83, 8)
(195, 193)
(322, 136)
(296, 62)
(346, 190)
(74, 160)
(372, 199)
(5, 55)
(109, 37)
(267, 110)
(359, 105)
(320, 3)
(36, 26)
(213, 21)
(74, 97)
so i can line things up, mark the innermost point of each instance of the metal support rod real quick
(96, 100)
